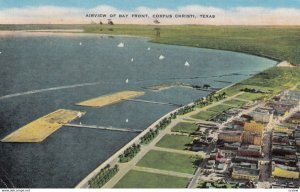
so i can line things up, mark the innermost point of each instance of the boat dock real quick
(153, 102)
(103, 128)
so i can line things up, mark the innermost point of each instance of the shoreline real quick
(114, 158)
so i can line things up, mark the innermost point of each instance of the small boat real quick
(80, 43)
(161, 57)
(149, 49)
(127, 120)
(126, 81)
(0, 52)
(131, 60)
(79, 114)
(186, 64)
(121, 45)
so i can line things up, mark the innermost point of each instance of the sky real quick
(226, 12)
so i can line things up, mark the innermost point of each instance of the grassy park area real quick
(205, 115)
(219, 108)
(168, 161)
(185, 127)
(139, 179)
(175, 141)
(235, 102)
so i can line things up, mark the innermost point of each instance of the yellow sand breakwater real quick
(111, 98)
(40, 129)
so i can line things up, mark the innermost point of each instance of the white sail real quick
(127, 120)
(127, 80)
(186, 64)
(121, 45)
(0, 52)
(131, 60)
(161, 57)
(149, 49)
(80, 43)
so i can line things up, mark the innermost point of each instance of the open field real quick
(139, 179)
(273, 80)
(251, 96)
(168, 161)
(175, 141)
(219, 108)
(235, 103)
(40, 129)
(111, 98)
(205, 115)
(185, 127)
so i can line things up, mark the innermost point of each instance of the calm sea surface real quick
(40, 62)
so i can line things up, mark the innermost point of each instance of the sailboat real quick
(127, 120)
(161, 57)
(126, 81)
(149, 49)
(131, 60)
(0, 52)
(186, 64)
(121, 45)
(80, 43)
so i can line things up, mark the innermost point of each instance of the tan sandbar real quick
(111, 98)
(40, 129)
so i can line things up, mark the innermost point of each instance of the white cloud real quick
(233, 16)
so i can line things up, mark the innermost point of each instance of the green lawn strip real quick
(140, 179)
(205, 115)
(185, 127)
(235, 103)
(251, 96)
(219, 108)
(168, 161)
(175, 142)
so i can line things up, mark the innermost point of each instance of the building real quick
(230, 136)
(226, 152)
(280, 108)
(249, 151)
(280, 137)
(281, 129)
(253, 133)
(245, 173)
(261, 115)
(239, 159)
(252, 126)
(252, 138)
(280, 172)
(294, 119)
